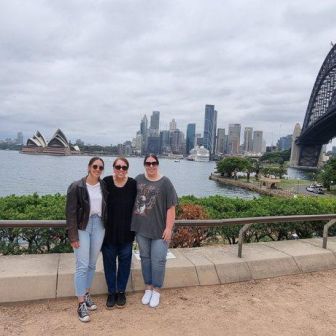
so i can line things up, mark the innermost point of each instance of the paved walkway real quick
(295, 305)
(50, 276)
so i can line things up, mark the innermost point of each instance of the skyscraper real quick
(155, 123)
(172, 125)
(190, 141)
(210, 126)
(257, 141)
(234, 138)
(248, 144)
(165, 142)
(144, 133)
(285, 142)
(220, 141)
(177, 142)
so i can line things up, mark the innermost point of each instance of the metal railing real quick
(209, 223)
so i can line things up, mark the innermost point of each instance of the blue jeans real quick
(117, 280)
(153, 254)
(90, 242)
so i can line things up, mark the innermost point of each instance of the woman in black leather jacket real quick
(85, 217)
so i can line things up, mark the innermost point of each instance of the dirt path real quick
(293, 305)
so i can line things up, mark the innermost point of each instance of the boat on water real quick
(199, 154)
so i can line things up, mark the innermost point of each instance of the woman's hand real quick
(167, 234)
(75, 244)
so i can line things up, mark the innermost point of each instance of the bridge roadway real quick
(33, 277)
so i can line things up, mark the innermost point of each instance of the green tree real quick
(328, 174)
(230, 165)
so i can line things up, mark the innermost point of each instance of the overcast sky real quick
(94, 68)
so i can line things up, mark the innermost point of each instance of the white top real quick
(96, 199)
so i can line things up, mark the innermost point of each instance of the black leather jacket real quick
(78, 207)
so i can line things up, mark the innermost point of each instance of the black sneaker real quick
(121, 300)
(89, 303)
(83, 313)
(110, 302)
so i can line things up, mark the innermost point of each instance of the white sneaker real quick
(147, 296)
(155, 299)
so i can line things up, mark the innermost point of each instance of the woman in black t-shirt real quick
(118, 236)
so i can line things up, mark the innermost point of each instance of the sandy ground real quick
(304, 304)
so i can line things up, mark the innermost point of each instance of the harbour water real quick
(23, 174)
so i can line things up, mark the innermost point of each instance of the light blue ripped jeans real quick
(90, 240)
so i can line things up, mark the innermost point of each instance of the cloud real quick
(94, 68)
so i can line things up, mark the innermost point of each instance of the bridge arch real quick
(319, 125)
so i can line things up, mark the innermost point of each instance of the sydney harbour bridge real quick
(319, 125)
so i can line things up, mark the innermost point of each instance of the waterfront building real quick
(165, 142)
(210, 126)
(58, 145)
(37, 140)
(234, 138)
(258, 142)
(155, 123)
(172, 125)
(177, 142)
(220, 147)
(248, 143)
(226, 143)
(190, 139)
(295, 152)
(285, 143)
(153, 144)
(144, 133)
(263, 147)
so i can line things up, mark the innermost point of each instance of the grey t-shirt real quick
(153, 200)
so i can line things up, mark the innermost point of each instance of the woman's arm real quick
(71, 216)
(167, 233)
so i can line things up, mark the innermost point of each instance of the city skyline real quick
(95, 69)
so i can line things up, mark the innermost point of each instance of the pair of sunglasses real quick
(119, 167)
(101, 168)
(148, 164)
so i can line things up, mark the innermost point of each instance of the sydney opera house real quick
(58, 145)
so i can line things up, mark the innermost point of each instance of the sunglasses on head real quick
(119, 167)
(148, 164)
(101, 168)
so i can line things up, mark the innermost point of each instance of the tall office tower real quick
(285, 142)
(190, 140)
(153, 145)
(234, 138)
(138, 143)
(295, 153)
(165, 142)
(144, 133)
(210, 126)
(177, 142)
(258, 142)
(248, 144)
(172, 125)
(155, 123)
(226, 144)
(220, 141)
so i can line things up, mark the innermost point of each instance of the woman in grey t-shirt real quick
(153, 221)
